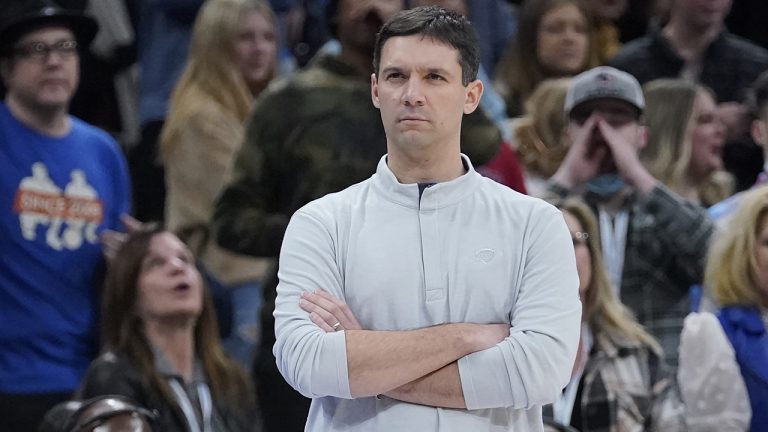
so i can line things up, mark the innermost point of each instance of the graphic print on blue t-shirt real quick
(67, 217)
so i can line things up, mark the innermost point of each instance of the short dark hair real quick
(440, 25)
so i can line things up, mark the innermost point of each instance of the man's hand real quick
(328, 312)
(584, 159)
(112, 240)
(625, 156)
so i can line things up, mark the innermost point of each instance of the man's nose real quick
(412, 93)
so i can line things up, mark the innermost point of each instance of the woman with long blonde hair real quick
(232, 58)
(686, 140)
(619, 380)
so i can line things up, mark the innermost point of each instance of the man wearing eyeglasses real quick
(62, 183)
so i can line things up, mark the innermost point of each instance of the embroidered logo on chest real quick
(485, 255)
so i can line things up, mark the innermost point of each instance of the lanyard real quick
(206, 405)
(613, 237)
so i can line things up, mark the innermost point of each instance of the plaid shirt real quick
(627, 388)
(728, 66)
(665, 251)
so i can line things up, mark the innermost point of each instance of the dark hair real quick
(758, 95)
(123, 332)
(440, 25)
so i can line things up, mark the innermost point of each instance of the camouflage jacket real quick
(314, 133)
(309, 135)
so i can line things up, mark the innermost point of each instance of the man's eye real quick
(434, 77)
(395, 75)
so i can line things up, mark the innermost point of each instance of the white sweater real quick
(468, 250)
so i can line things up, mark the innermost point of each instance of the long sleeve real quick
(312, 361)
(684, 228)
(534, 363)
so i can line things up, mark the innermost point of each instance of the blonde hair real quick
(601, 309)
(210, 74)
(732, 268)
(669, 115)
(539, 134)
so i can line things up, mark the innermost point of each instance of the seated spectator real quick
(538, 135)
(619, 380)
(737, 274)
(232, 58)
(554, 39)
(686, 139)
(161, 343)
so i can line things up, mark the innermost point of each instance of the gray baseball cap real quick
(604, 82)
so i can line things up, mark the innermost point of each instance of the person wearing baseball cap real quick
(63, 183)
(653, 241)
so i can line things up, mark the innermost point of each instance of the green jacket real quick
(314, 133)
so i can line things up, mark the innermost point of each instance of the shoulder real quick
(631, 51)
(737, 45)
(95, 140)
(329, 208)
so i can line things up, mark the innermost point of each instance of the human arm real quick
(248, 217)
(352, 363)
(709, 379)
(440, 388)
(534, 363)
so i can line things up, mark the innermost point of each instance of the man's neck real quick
(689, 41)
(52, 122)
(175, 339)
(426, 167)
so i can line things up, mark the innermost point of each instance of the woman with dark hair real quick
(161, 340)
(554, 39)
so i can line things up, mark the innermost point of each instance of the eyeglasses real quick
(579, 238)
(40, 51)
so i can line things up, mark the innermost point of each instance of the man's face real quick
(702, 13)
(359, 21)
(44, 70)
(620, 115)
(420, 93)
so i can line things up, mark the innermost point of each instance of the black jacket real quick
(115, 374)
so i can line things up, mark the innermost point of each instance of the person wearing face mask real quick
(654, 242)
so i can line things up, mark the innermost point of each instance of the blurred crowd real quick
(152, 153)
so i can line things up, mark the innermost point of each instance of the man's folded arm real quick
(353, 363)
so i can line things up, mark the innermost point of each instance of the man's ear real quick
(760, 132)
(642, 136)
(474, 93)
(375, 90)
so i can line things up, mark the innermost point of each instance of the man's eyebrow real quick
(390, 69)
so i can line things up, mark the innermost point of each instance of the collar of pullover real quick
(434, 197)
